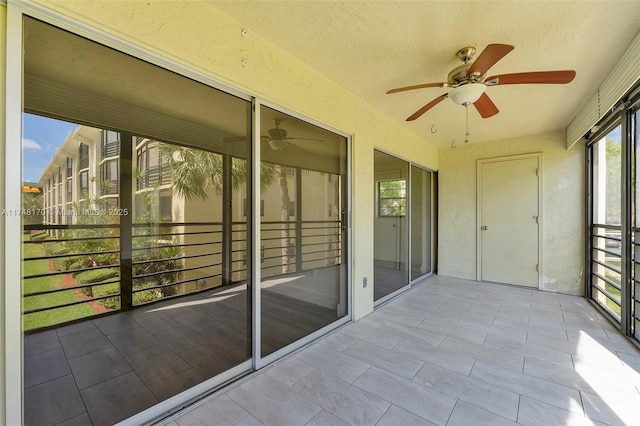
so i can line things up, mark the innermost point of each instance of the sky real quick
(41, 137)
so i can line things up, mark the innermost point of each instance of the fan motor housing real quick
(458, 74)
(277, 133)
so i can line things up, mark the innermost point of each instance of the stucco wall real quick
(200, 37)
(562, 214)
(3, 38)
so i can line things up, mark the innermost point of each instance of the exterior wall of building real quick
(3, 92)
(562, 215)
(178, 30)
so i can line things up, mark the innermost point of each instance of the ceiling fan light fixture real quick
(277, 145)
(467, 93)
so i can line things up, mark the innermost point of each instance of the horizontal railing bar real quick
(169, 234)
(606, 293)
(175, 283)
(66, 240)
(69, 226)
(50, 274)
(165, 224)
(612, 253)
(171, 271)
(142, 262)
(176, 245)
(612, 268)
(33, 311)
(75, 287)
(608, 281)
(58, 256)
(604, 226)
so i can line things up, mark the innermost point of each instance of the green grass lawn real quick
(54, 316)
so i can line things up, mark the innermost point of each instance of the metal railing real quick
(110, 149)
(152, 176)
(606, 273)
(76, 271)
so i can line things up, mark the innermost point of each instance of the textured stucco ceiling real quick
(369, 47)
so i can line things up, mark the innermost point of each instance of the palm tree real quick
(195, 172)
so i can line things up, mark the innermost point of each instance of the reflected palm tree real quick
(196, 172)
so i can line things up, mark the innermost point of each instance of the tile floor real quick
(101, 371)
(447, 352)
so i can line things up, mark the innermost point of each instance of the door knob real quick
(484, 228)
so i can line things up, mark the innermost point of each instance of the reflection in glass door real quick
(134, 259)
(606, 215)
(391, 226)
(303, 209)
(403, 224)
(421, 214)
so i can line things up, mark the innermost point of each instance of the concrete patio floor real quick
(447, 352)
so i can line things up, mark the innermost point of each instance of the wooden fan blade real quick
(427, 107)
(485, 106)
(417, 86)
(538, 77)
(488, 58)
(233, 139)
(302, 139)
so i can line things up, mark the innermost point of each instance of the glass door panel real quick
(606, 156)
(421, 242)
(391, 228)
(134, 259)
(302, 202)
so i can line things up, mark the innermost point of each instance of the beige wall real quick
(562, 215)
(3, 36)
(202, 38)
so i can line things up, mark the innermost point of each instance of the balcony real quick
(449, 352)
(100, 347)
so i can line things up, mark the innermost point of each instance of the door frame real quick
(480, 163)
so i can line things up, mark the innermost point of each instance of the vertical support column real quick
(588, 208)
(227, 224)
(125, 192)
(253, 233)
(298, 239)
(11, 58)
(627, 245)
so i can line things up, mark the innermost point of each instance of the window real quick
(84, 184)
(69, 167)
(110, 144)
(165, 205)
(392, 197)
(69, 190)
(83, 153)
(109, 177)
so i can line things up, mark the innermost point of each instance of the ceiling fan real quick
(278, 139)
(469, 80)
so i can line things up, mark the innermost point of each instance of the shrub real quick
(105, 290)
(77, 264)
(62, 263)
(96, 275)
(38, 236)
(53, 248)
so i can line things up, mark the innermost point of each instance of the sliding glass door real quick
(403, 223)
(303, 240)
(137, 244)
(421, 222)
(613, 238)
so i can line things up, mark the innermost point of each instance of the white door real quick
(509, 220)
